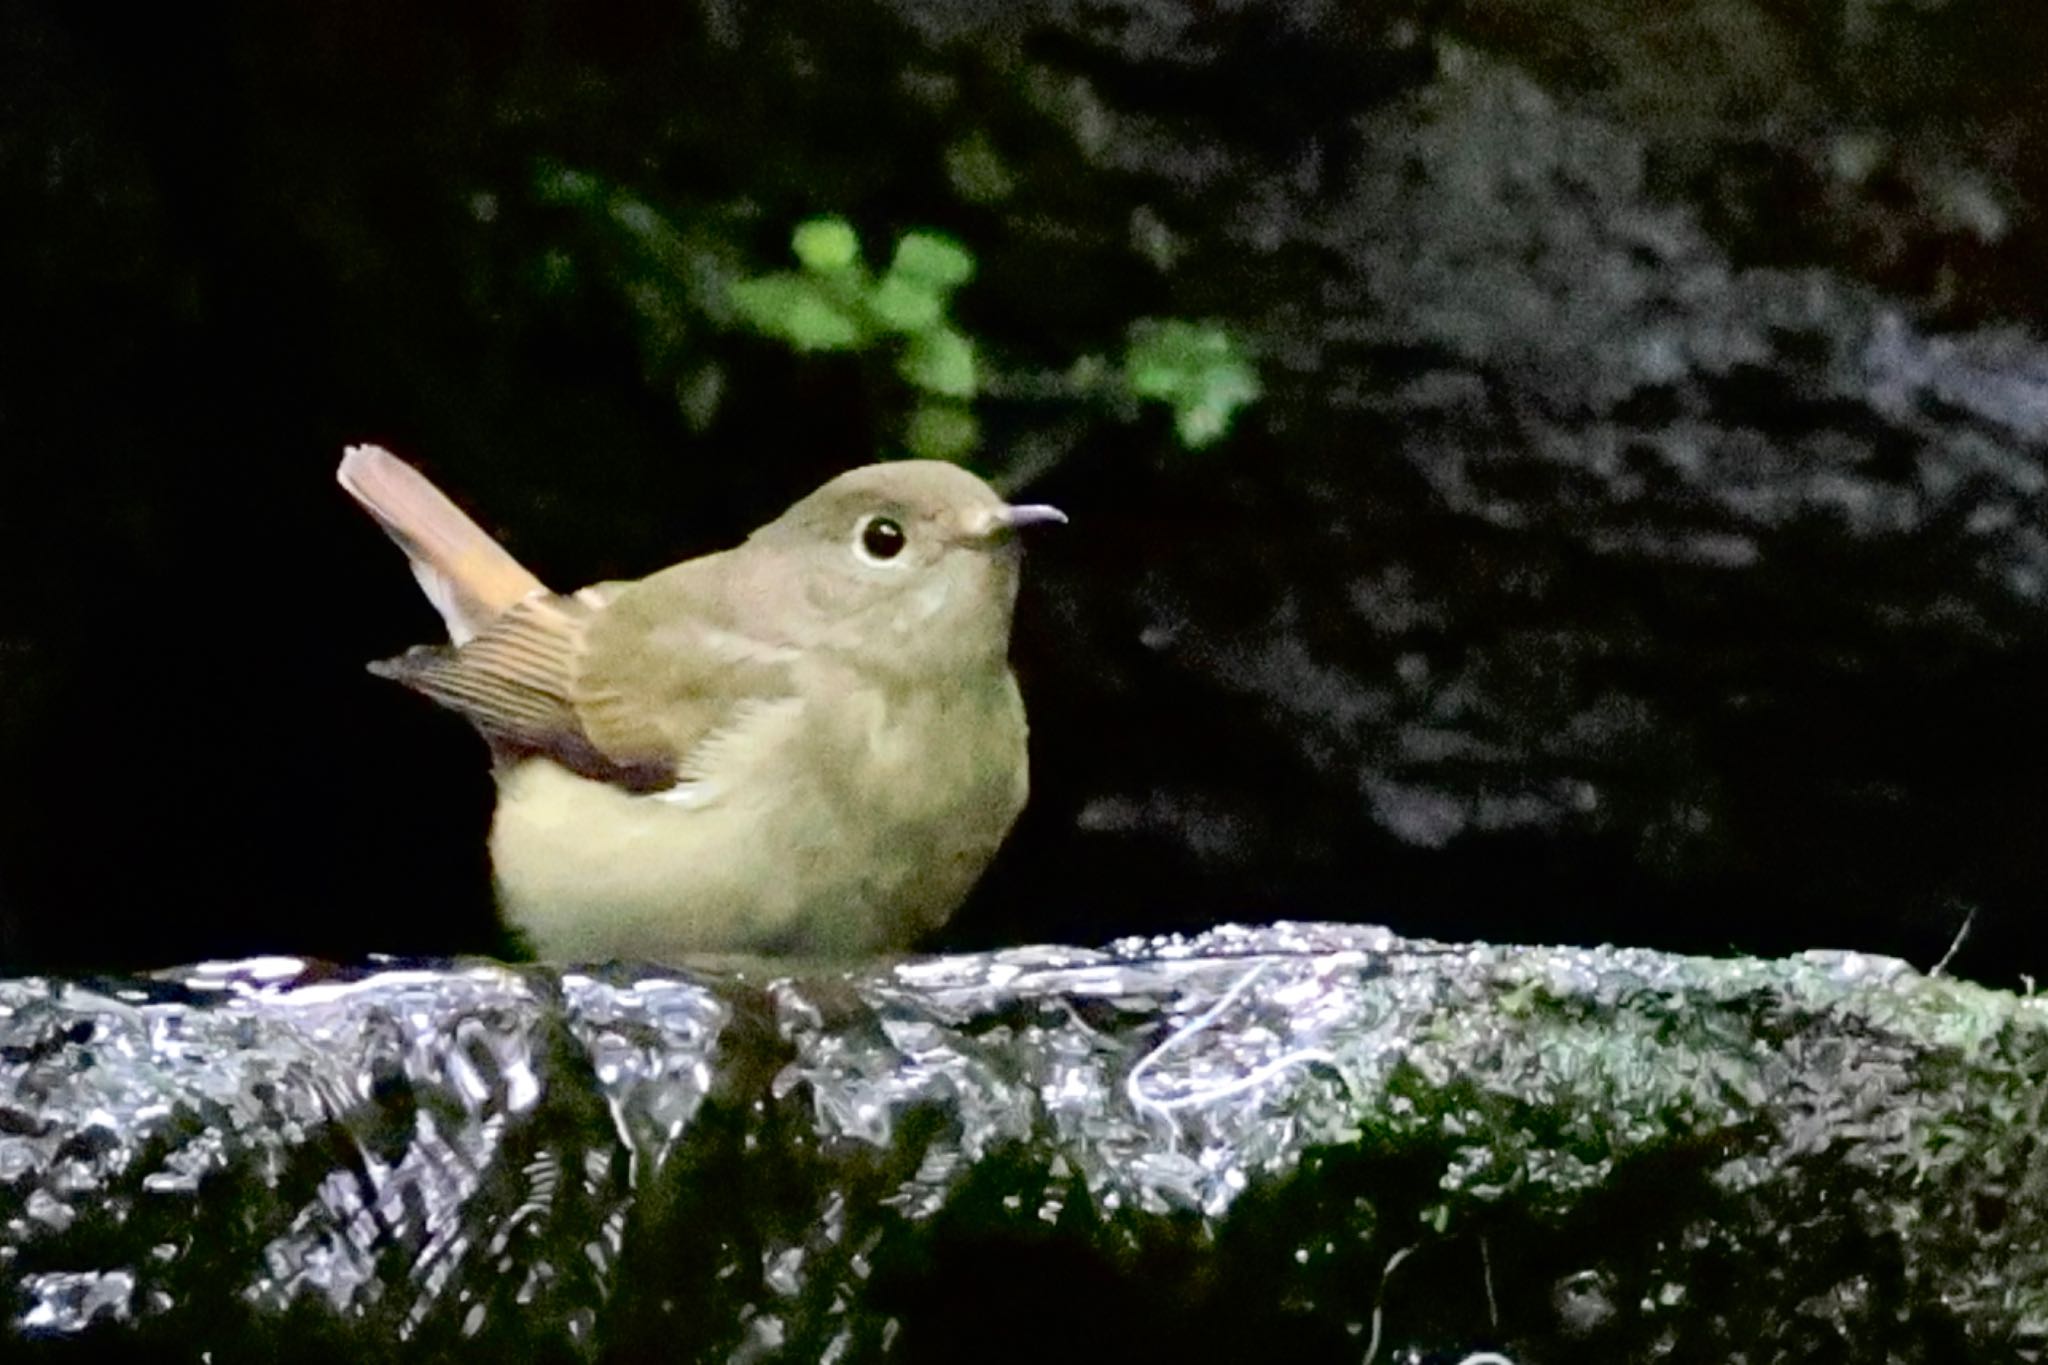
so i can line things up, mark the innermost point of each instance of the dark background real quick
(1639, 537)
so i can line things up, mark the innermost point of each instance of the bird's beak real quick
(997, 522)
(1022, 514)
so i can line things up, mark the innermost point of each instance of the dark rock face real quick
(1318, 1140)
(1639, 536)
(1573, 551)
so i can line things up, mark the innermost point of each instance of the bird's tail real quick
(469, 577)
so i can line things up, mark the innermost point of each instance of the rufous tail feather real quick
(469, 577)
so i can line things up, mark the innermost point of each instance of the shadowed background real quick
(1637, 536)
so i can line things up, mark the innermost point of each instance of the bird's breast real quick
(848, 820)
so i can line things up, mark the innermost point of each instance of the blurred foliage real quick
(675, 278)
(835, 303)
(1197, 369)
(669, 277)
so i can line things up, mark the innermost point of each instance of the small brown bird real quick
(809, 744)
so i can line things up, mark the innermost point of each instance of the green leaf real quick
(793, 308)
(1203, 415)
(1164, 356)
(940, 361)
(1197, 369)
(933, 260)
(904, 305)
(1199, 424)
(826, 244)
(942, 431)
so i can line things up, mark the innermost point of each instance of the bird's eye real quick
(881, 539)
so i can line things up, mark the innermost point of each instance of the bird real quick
(809, 745)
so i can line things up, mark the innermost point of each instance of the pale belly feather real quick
(794, 842)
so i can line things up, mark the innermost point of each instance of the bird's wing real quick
(601, 684)
(469, 577)
(669, 669)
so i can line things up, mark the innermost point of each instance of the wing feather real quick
(635, 684)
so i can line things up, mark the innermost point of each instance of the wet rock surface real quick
(1321, 1140)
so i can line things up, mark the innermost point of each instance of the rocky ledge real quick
(1323, 1140)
